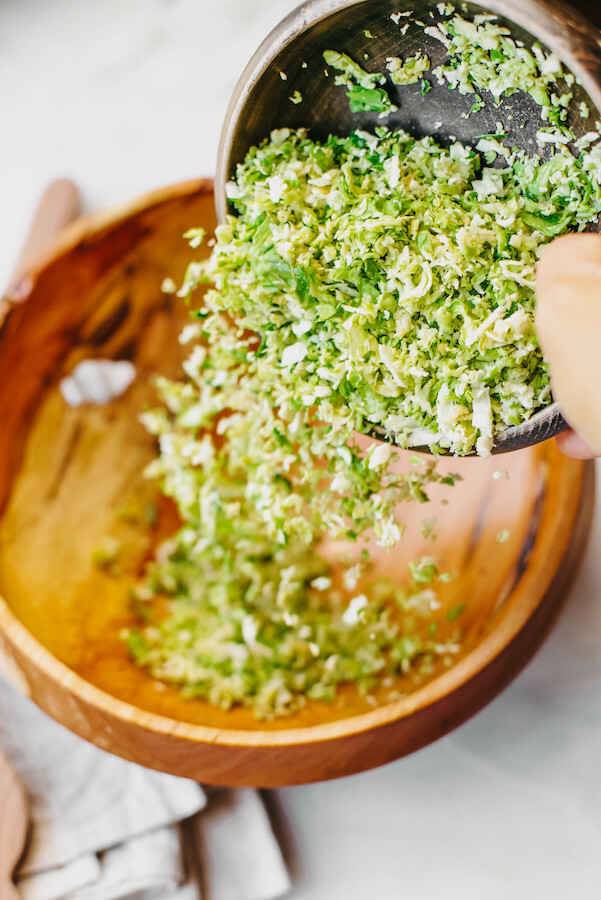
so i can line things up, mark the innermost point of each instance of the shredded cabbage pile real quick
(398, 276)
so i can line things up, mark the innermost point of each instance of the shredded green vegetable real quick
(368, 280)
(362, 93)
(482, 56)
(410, 71)
(400, 276)
(256, 615)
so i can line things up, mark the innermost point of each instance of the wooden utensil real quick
(14, 817)
(58, 206)
(261, 101)
(68, 474)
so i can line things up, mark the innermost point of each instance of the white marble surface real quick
(127, 95)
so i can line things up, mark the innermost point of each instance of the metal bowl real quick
(261, 99)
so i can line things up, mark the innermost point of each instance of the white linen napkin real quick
(106, 829)
(233, 844)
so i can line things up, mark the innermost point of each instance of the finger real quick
(572, 444)
(568, 324)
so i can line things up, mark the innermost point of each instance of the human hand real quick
(568, 323)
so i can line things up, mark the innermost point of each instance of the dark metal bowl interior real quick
(295, 48)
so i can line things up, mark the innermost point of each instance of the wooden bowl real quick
(66, 474)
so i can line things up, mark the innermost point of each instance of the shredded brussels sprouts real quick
(409, 71)
(362, 93)
(256, 615)
(400, 276)
(368, 280)
(482, 56)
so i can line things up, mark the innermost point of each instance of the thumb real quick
(568, 324)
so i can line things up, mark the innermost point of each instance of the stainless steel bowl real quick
(261, 99)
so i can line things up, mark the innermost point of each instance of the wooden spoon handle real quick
(59, 205)
(14, 817)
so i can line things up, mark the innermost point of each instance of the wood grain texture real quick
(59, 205)
(70, 478)
(14, 817)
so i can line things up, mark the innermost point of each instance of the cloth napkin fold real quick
(107, 829)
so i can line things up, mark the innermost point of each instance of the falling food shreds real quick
(253, 506)
(503, 536)
(195, 236)
(107, 556)
(428, 529)
(168, 286)
(296, 97)
(455, 612)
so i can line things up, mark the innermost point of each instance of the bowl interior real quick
(71, 478)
